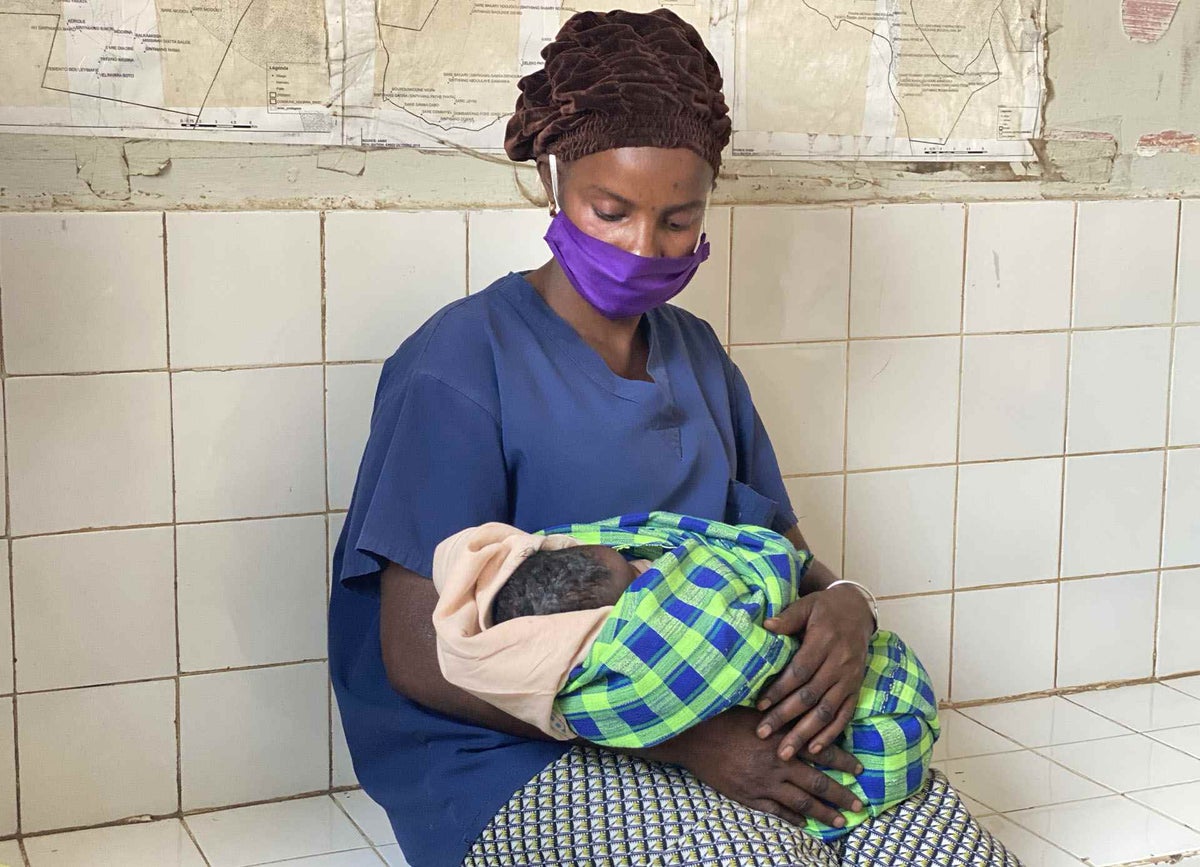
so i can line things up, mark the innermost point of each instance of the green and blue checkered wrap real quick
(686, 642)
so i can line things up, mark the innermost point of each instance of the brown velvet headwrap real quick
(621, 79)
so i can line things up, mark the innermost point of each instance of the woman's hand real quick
(725, 753)
(820, 684)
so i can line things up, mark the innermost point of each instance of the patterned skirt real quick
(594, 807)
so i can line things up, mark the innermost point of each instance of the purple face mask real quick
(614, 281)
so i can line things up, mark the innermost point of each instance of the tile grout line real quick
(12, 584)
(1062, 472)
(357, 827)
(192, 836)
(317, 660)
(79, 531)
(1166, 465)
(958, 414)
(174, 524)
(1008, 460)
(846, 402)
(325, 450)
(1028, 332)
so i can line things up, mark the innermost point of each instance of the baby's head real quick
(570, 579)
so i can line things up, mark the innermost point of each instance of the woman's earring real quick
(553, 209)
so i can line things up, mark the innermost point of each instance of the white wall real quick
(971, 405)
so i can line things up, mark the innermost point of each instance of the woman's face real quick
(647, 201)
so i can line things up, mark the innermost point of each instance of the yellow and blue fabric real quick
(686, 642)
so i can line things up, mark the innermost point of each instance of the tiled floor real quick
(1101, 779)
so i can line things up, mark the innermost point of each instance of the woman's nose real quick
(645, 240)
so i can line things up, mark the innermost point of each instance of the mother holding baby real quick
(572, 393)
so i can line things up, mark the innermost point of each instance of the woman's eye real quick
(608, 218)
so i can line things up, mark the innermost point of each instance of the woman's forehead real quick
(644, 173)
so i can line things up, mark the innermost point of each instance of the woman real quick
(579, 371)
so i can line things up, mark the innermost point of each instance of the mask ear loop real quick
(554, 184)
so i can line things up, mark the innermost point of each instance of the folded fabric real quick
(517, 666)
(686, 640)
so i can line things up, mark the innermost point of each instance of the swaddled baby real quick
(628, 631)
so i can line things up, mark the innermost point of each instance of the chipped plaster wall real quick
(1122, 120)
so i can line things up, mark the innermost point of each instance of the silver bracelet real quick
(870, 597)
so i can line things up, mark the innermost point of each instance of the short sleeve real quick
(757, 466)
(433, 465)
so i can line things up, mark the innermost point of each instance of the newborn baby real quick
(571, 579)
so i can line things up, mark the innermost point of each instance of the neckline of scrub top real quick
(588, 358)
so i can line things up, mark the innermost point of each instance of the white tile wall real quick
(1181, 536)
(817, 502)
(919, 293)
(112, 748)
(6, 624)
(385, 274)
(1185, 391)
(1008, 522)
(1111, 513)
(791, 270)
(251, 592)
(806, 401)
(1106, 629)
(274, 720)
(8, 769)
(1118, 389)
(903, 402)
(1125, 262)
(925, 440)
(1019, 266)
(82, 292)
(1014, 394)
(1179, 612)
(266, 266)
(349, 398)
(105, 437)
(1188, 308)
(94, 608)
(1004, 641)
(249, 443)
(900, 530)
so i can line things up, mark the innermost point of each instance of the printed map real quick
(824, 79)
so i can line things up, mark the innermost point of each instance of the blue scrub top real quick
(497, 410)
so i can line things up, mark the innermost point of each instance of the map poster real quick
(805, 79)
(214, 69)
(430, 73)
(888, 79)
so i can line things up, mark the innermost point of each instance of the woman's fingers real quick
(804, 665)
(821, 787)
(793, 618)
(816, 719)
(838, 759)
(775, 808)
(807, 803)
(834, 730)
(815, 704)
